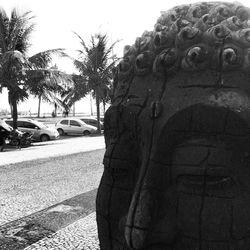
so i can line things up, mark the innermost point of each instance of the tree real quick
(95, 64)
(106, 96)
(14, 36)
(19, 73)
(78, 89)
(48, 86)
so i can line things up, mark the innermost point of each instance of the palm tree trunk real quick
(74, 109)
(98, 112)
(55, 110)
(104, 106)
(39, 105)
(14, 114)
(11, 109)
(91, 109)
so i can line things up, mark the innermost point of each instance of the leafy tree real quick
(48, 82)
(78, 89)
(106, 96)
(18, 72)
(14, 36)
(95, 63)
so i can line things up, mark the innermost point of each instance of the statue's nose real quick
(139, 220)
(145, 202)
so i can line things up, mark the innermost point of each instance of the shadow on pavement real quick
(23, 232)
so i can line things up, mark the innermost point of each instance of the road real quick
(52, 149)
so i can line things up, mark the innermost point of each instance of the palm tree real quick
(106, 96)
(95, 64)
(19, 73)
(14, 35)
(49, 85)
(78, 90)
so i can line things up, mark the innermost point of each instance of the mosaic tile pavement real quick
(80, 235)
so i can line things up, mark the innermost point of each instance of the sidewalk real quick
(80, 235)
(68, 225)
(52, 149)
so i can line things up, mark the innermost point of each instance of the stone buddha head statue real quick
(177, 161)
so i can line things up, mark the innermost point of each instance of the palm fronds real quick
(23, 75)
(40, 80)
(95, 63)
(15, 31)
(52, 98)
(42, 59)
(4, 23)
(77, 91)
(82, 42)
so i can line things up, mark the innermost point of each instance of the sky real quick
(56, 20)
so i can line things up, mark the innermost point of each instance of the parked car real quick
(41, 132)
(74, 126)
(5, 131)
(91, 121)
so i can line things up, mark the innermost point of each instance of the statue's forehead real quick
(185, 87)
(191, 45)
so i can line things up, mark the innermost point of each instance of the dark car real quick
(5, 130)
(92, 122)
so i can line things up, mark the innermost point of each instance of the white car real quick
(74, 126)
(40, 131)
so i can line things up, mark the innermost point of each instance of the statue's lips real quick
(200, 175)
(159, 246)
(204, 180)
(203, 184)
(195, 169)
(210, 182)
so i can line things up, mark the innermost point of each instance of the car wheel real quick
(44, 138)
(60, 131)
(86, 132)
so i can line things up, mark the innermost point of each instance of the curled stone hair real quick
(192, 37)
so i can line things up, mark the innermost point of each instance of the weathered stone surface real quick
(176, 167)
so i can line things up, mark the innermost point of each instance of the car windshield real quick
(6, 126)
(40, 124)
(80, 121)
(83, 121)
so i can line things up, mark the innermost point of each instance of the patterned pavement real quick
(69, 225)
(80, 235)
